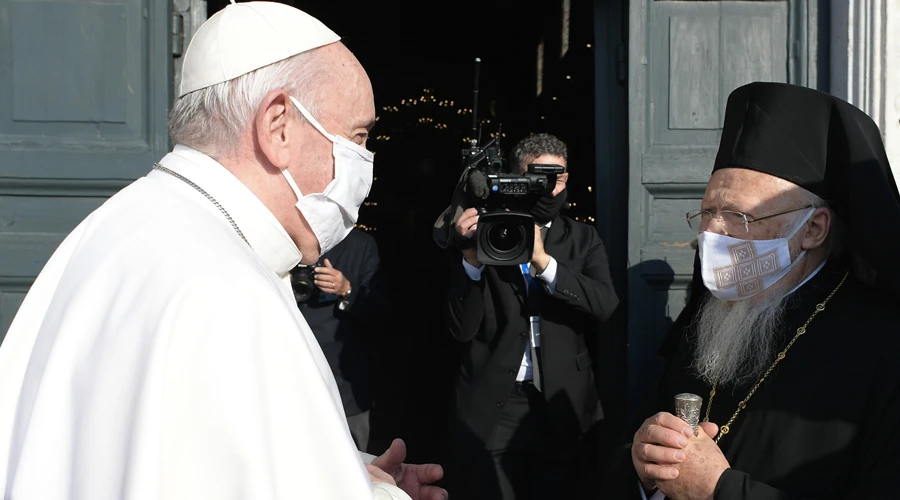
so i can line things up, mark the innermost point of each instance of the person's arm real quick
(548, 275)
(464, 310)
(738, 485)
(369, 298)
(588, 289)
(465, 296)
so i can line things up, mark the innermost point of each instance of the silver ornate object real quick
(687, 408)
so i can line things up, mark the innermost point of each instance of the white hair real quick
(212, 119)
(735, 342)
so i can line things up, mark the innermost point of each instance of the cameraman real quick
(521, 409)
(343, 310)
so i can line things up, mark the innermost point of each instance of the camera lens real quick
(505, 238)
(302, 283)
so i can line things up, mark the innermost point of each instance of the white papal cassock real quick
(159, 355)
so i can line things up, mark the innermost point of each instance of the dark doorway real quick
(420, 61)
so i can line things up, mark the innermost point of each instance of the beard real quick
(735, 342)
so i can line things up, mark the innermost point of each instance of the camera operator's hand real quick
(330, 280)
(466, 226)
(540, 259)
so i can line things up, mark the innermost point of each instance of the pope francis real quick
(160, 353)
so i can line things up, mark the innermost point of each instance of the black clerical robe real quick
(826, 422)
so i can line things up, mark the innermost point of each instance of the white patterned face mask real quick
(736, 269)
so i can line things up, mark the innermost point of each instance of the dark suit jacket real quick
(491, 316)
(343, 334)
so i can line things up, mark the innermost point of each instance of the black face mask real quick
(547, 206)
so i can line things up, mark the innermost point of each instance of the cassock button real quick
(499, 404)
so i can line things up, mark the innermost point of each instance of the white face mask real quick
(332, 213)
(736, 269)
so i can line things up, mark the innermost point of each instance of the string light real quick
(407, 117)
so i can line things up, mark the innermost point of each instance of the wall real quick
(865, 63)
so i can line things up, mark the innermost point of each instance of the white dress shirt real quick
(549, 279)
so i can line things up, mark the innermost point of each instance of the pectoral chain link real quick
(725, 429)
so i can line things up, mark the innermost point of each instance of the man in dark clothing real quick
(525, 392)
(792, 337)
(345, 310)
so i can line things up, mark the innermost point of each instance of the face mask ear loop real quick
(293, 184)
(796, 230)
(306, 114)
(794, 233)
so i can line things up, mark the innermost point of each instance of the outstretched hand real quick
(414, 479)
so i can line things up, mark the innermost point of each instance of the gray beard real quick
(735, 342)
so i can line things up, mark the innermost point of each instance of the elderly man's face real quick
(548, 159)
(346, 107)
(755, 194)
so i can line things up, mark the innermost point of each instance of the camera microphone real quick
(477, 185)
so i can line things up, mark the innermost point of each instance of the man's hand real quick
(377, 475)
(699, 473)
(539, 258)
(415, 480)
(658, 446)
(466, 226)
(330, 280)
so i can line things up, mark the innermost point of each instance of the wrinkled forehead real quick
(748, 190)
(347, 96)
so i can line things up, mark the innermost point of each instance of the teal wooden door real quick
(685, 57)
(84, 92)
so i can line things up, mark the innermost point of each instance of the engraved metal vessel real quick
(687, 408)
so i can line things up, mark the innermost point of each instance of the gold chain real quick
(743, 404)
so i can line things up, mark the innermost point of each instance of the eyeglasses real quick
(733, 221)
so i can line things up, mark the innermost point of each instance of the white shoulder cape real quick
(142, 365)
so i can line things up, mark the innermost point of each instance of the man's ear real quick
(816, 229)
(272, 126)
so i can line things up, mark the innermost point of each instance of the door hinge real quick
(177, 34)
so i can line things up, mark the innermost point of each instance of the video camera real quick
(505, 234)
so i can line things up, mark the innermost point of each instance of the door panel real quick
(685, 57)
(85, 89)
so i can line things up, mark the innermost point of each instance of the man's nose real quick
(716, 225)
